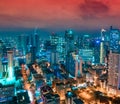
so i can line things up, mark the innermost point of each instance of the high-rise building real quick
(114, 62)
(5, 67)
(87, 55)
(22, 44)
(86, 41)
(114, 73)
(36, 42)
(28, 43)
(102, 50)
(61, 48)
(74, 65)
(10, 64)
(58, 44)
(69, 41)
(114, 40)
(28, 58)
(33, 53)
(54, 57)
(1, 53)
(54, 39)
(96, 49)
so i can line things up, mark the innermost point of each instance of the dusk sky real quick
(58, 15)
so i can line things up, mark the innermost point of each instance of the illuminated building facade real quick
(102, 50)
(36, 41)
(54, 57)
(5, 67)
(95, 45)
(114, 40)
(22, 44)
(58, 43)
(10, 64)
(87, 55)
(69, 41)
(114, 62)
(86, 42)
(1, 44)
(33, 53)
(114, 73)
(74, 64)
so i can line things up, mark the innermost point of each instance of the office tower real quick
(1, 53)
(54, 39)
(102, 50)
(28, 58)
(10, 64)
(114, 62)
(74, 65)
(86, 41)
(28, 43)
(86, 55)
(114, 40)
(33, 53)
(36, 41)
(7, 94)
(96, 48)
(61, 48)
(54, 57)
(57, 43)
(47, 45)
(114, 73)
(5, 67)
(22, 44)
(34, 45)
(69, 41)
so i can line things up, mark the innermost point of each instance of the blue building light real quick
(98, 41)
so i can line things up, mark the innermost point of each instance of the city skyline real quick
(58, 15)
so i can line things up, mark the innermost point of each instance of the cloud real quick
(59, 13)
(92, 9)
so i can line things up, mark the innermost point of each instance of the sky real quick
(59, 15)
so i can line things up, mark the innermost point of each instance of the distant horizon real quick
(44, 33)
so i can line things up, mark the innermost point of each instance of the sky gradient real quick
(58, 15)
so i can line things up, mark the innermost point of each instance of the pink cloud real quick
(61, 13)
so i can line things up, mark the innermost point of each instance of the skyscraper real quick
(10, 64)
(74, 65)
(102, 50)
(114, 40)
(1, 43)
(114, 73)
(22, 44)
(58, 44)
(69, 40)
(86, 41)
(54, 57)
(114, 62)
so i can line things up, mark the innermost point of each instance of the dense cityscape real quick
(63, 69)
